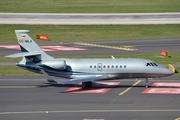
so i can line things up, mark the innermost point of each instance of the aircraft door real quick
(99, 66)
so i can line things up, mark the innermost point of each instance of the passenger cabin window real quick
(118, 66)
(148, 64)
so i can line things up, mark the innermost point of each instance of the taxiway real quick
(104, 47)
(29, 98)
(34, 98)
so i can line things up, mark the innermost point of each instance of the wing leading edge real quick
(86, 79)
(77, 80)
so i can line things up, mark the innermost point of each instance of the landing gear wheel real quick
(86, 85)
(147, 83)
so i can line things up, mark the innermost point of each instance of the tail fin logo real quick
(23, 37)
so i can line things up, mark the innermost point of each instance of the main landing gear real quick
(86, 85)
(147, 83)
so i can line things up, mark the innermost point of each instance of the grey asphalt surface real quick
(32, 103)
(142, 46)
(80, 19)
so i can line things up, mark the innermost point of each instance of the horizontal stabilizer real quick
(86, 79)
(29, 47)
(22, 54)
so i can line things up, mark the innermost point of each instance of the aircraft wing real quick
(86, 79)
(77, 80)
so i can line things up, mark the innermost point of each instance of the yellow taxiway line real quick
(126, 90)
(126, 48)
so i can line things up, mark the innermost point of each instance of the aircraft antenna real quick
(112, 57)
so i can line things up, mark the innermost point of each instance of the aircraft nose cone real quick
(168, 72)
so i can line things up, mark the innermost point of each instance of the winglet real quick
(172, 68)
(112, 57)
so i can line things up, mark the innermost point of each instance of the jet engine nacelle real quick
(55, 64)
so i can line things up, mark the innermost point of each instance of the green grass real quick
(15, 71)
(66, 33)
(72, 33)
(5, 59)
(89, 6)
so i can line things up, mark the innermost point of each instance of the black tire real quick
(86, 85)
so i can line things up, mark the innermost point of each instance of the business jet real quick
(84, 71)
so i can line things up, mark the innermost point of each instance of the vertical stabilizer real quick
(28, 47)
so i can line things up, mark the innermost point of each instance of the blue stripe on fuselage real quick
(66, 74)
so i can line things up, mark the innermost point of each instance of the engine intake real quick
(55, 64)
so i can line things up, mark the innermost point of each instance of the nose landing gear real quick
(147, 85)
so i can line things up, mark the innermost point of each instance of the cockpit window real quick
(155, 64)
(148, 64)
(151, 64)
